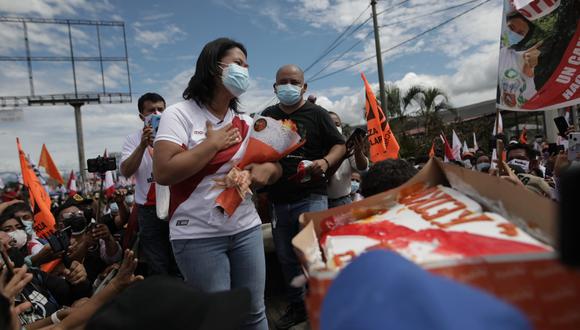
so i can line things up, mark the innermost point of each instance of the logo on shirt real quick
(179, 223)
(260, 125)
(198, 132)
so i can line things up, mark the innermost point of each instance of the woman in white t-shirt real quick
(198, 141)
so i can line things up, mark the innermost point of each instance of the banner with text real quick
(539, 60)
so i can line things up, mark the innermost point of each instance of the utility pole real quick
(379, 58)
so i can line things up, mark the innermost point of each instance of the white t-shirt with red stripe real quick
(144, 189)
(192, 211)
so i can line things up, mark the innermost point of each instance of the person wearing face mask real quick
(199, 140)
(137, 161)
(355, 180)
(483, 164)
(46, 292)
(91, 244)
(324, 148)
(37, 250)
(340, 183)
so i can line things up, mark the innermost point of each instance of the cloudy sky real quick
(165, 37)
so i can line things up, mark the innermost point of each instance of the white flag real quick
(475, 147)
(497, 127)
(456, 145)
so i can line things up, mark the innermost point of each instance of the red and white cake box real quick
(486, 232)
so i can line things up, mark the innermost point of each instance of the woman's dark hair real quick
(5, 217)
(202, 85)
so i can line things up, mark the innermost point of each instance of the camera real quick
(573, 146)
(101, 164)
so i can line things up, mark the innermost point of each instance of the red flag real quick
(524, 136)
(383, 143)
(72, 184)
(432, 151)
(39, 199)
(448, 150)
(109, 186)
(48, 164)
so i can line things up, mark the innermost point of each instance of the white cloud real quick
(481, 26)
(154, 38)
(53, 8)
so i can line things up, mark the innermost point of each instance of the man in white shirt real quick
(136, 160)
(340, 184)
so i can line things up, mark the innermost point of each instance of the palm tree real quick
(429, 102)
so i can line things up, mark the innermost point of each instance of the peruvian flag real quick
(448, 150)
(71, 187)
(109, 186)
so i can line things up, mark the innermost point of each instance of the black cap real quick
(74, 200)
(161, 302)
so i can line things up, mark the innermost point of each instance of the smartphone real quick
(357, 132)
(555, 149)
(153, 121)
(562, 125)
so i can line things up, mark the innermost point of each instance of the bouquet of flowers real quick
(269, 141)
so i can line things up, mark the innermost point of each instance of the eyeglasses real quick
(69, 215)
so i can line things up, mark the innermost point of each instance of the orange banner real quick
(383, 143)
(48, 164)
(39, 200)
(432, 151)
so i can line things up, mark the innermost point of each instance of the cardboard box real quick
(547, 292)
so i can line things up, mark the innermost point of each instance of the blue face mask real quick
(483, 167)
(236, 79)
(28, 227)
(354, 186)
(288, 94)
(514, 38)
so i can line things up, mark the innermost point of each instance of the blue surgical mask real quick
(288, 94)
(482, 167)
(354, 186)
(129, 199)
(28, 227)
(514, 38)
(236, 79)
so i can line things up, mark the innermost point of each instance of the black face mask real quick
(16, 256)
(77, 224)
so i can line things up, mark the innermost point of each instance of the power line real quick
(339, 40)
(390, 24)
(401, 43)
(329, 48)
(429, 14)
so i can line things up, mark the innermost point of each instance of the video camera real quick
(101, 164)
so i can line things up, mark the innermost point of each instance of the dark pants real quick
(284, 227)
(154, 242)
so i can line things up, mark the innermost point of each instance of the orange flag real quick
(524, 136)
(48, 164)
(432, 151)
(383, 143)
(39, 199)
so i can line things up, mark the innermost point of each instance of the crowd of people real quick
(208, 265)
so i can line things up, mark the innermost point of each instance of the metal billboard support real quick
(74, 98)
